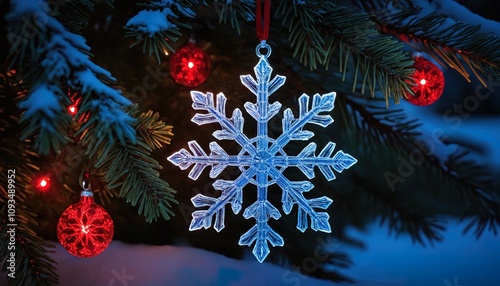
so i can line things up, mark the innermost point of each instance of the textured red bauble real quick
(429, 80)
(190, 65)
(85, 229)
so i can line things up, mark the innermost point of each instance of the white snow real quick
(126, 264)
(461, 14)
(455, 13)
(88, 82)
(386, 261)
(41, 99)
(151, 22)
(111, 116)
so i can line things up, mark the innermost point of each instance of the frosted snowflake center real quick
(263, 161)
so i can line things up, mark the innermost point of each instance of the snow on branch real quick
(158, 24)
(151, 22)
(459, 13)
(446, 31)
(64, 61)
(158, 18)
(41, 100)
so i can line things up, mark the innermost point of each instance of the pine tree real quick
(59, 53)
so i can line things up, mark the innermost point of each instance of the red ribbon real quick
(262, 23)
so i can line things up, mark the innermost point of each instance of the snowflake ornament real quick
(262, 159)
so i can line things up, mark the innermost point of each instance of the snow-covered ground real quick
(145, 265)
(460, 260)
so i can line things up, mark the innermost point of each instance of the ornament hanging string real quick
(262, 22)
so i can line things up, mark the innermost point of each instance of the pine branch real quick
(419, 227)
(63, 60)
(329, 262)
(486, 217)
(457, 45)
(378, 59)
(73, 14)
(234, 12)
(47, 125)
(130, 166)
(325, 31)
(153, 131)
(391, 211)
(390, 132)
(44, 118)
(106, 129)
(159, 23)
(302, 21)
(466, 181)
(32, 264)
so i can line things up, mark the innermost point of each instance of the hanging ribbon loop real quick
(262, 21)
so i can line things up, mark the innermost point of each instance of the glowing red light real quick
(72, 109)
(43, 184)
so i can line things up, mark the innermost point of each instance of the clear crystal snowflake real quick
(262, 159)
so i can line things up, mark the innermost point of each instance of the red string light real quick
(43, 183)
(72, 109)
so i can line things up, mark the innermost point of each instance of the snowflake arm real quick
(232, 129)
(218, 159)
(261, 232)
(262, 111)
(293, 193)
(231, 193)
(292, 127)
(306, 161)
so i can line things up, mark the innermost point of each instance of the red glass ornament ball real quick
(429, 80)
(190, 65)
(85, 229)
